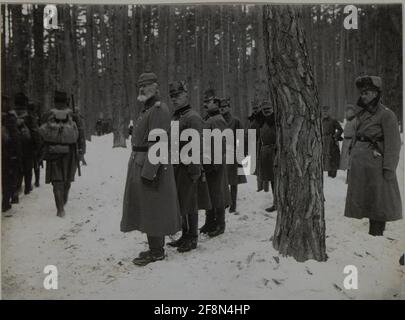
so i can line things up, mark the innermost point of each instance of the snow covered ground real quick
(94, 258)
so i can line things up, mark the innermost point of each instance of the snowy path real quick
(94, 258)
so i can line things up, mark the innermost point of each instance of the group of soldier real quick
(20, 148)
(162, 199)
(24, 150)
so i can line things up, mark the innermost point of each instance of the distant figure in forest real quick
(255, 122)
(234, 178)
(34, 124)
(331, 135)
(26, 127)
(373, 190)
(348, 135)
(99, 127)
(10, 154)
(267, 150)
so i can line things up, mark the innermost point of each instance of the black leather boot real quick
(234, 193)
(220, 223)
(178, 242)
(190, 243)
(210, 222)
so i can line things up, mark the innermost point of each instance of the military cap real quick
(60, 96)
(349, 107)
(373, 83)
(225, 102)
(20, 100)
(266, 104)
(147, 78)
(177, 87)
(209, 94)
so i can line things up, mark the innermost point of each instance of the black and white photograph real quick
(202, 151)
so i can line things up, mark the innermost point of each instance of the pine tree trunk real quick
(300, 227)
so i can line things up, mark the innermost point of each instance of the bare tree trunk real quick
(300, 227)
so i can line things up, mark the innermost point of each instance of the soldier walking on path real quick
(61, 147)
(150, 202)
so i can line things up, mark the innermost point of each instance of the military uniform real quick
(188, 176)
(25, 127)
(373, 190)
(11, 156)
(61, 169)
(150, 202)
(331, 134)
(216, 175)
(267, 153)
(234, 178)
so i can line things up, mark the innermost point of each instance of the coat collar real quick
(150, 102)
(182, 110)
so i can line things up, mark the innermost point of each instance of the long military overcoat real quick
(348, 135)
(192, 195)
(150, 202)
(369, 193)
(216, 174)
(331, 131)
(267, 150)
(234, 178)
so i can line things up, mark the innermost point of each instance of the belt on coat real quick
(368, 139)
(139, 148)
(348, 137)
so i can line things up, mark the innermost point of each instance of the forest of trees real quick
(99, 51)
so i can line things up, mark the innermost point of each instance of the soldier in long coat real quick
(11, 155)
(267, 150)
(255, 122)
(331, 134)
(150, 202)
(373, 190)
(234, 178)
(348, 135)
(188, 175)
(216, 174)
(61, 169)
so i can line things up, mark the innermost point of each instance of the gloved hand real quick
(388, 174)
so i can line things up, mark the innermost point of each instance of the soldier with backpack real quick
(60, 135)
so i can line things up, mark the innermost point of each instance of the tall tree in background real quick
(300, 227)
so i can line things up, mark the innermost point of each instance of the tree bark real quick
(300, 227)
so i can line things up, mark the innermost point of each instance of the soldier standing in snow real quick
(331, 134)
(234, 178)
(373, 190)
(150, 199)
(216, 174)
